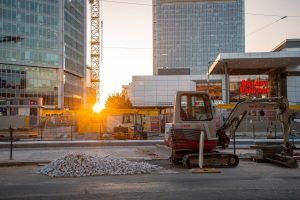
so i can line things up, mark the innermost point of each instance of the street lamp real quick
(208, 79)
(208, 65)
(208, 75)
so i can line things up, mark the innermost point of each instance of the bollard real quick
(201, 147)
(11, 141)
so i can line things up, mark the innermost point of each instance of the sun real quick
(97, 108)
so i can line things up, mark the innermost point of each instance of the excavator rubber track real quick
(216, 160)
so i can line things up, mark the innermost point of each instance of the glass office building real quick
(42, 51)
(75, 47)
(191, 33)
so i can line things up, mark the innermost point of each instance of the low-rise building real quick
(232, 77)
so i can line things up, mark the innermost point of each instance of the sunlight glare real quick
(97, 108)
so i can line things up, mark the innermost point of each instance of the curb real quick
(46, 144)
(14, 163)
(240, 143)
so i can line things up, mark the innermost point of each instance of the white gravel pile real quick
(81, 164)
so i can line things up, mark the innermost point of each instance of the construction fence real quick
(130, 124)
(48, 128)
(84, 125)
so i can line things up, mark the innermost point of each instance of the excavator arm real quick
(279, 104)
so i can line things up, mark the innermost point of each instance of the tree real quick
(118, 101)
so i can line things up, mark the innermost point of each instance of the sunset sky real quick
(127, 36)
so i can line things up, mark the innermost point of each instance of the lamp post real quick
(208, 79)
(208, 64)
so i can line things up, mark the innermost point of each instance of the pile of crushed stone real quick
(81, 164)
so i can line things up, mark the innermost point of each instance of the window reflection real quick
(20, 81)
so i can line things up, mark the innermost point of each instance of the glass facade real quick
(74, 25)
(29, 32)
(191, 34)
(19, 81)
(36, 48)
(73, 91)
(74, 38)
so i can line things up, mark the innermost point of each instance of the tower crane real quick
(96, 46)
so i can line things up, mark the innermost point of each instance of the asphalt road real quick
(249, 180)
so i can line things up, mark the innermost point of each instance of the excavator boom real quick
(279, 104)
(278, 154)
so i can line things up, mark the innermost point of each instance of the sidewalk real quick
(34, 156)
(41, 152)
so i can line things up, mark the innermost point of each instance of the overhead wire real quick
(258, 14)
(266, 26)
(145, 4)
(272, 15)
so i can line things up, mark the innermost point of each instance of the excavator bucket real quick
(286, 161)
(274, 154)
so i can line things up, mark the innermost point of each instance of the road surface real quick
(249, 180)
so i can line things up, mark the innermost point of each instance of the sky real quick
(127, 36)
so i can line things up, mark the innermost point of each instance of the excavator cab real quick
(193, 114)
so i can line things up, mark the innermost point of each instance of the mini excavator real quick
(194, 113)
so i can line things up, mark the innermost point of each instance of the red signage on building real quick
(254, 87)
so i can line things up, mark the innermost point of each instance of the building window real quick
(214, 87)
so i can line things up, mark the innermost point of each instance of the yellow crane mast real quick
(96, 45)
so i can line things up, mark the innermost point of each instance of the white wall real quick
(157, 90)
(293, 89)
(160, 90)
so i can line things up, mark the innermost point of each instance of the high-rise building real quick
(43, 51)
(189, 34)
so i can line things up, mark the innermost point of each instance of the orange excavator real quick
(194, 113)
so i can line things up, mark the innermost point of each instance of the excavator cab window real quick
(195, 107)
